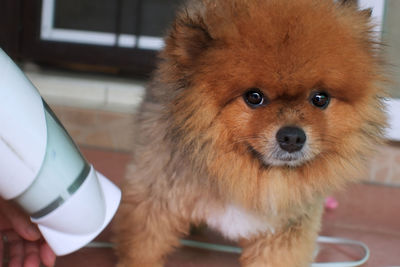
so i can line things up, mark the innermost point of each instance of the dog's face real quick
(293, 104)
(274, 86)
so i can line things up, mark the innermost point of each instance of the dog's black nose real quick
(291, 139)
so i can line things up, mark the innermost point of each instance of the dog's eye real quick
(320, 99)
(254, 98)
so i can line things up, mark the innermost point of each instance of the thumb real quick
(20, 222)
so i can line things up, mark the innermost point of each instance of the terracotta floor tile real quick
(100, 138)
(367, 213)
(77, 116)
(190, 257)
(384, 167)
(384, 247)
(103, 129)
(110, 163)
(88, 257)
(368, 207)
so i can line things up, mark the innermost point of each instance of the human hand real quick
(22, 242)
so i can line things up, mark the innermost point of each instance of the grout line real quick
(375, 183)
(104, 149)
(363, 229)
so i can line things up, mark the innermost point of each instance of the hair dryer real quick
(43, 171)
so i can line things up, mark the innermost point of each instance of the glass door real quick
(123, 23)
(117, 36)
(386, 16)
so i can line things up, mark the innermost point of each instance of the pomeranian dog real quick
(257, 111)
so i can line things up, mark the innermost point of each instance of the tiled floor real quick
(98, 128)
(366, 212)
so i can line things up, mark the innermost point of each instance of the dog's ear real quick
(353, 3)
(188, 38)
(349, 2)
(365, 12)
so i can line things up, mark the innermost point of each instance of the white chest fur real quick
(235, 222)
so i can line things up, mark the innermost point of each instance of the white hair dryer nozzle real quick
(43, 171)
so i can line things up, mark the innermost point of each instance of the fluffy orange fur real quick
(199, 146)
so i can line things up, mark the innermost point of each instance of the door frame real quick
(393, 105)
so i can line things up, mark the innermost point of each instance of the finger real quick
(11, 236)
(31, 254)
(2, 247)
(20, 221)
(16, 246)
(47, 255)
(4, 222)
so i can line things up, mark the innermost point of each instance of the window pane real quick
(100, 15)
(88, 15)
(157, 16)
(128, 13)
